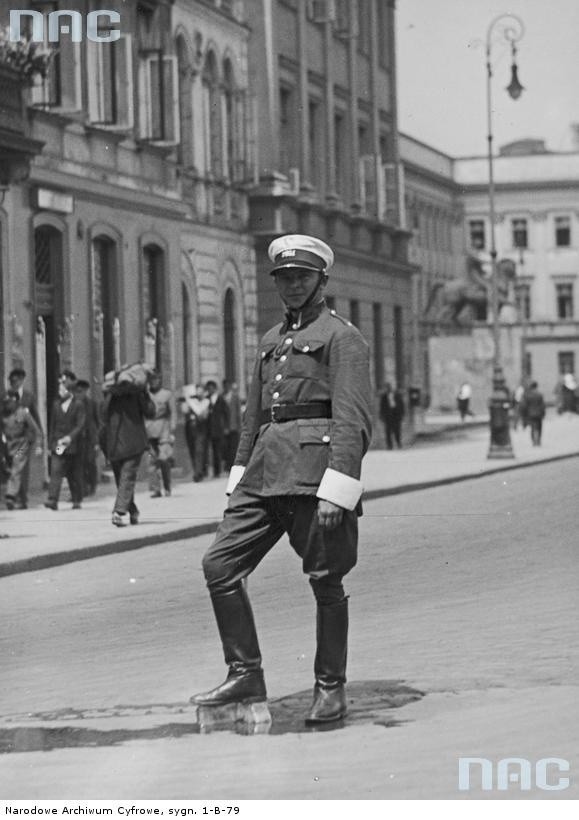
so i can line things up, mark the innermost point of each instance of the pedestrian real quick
(160, 434)
(218, 426)
(89, 444)
(231, 396)
(463, 398)
(392, 412)
(123, 435)
(67, 424)
(305, 430)
(518, 414)
(16, 379)
(534, 412)
(195, 406)
(568, 393)
(19, 431)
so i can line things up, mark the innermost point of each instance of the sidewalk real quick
(39, 538)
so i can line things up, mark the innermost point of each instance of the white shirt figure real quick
(465, 391)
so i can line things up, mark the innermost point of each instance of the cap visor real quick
(296, 266)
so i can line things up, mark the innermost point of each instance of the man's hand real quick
(329, 515)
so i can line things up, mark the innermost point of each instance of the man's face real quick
(296, 285)
(16, 382)
(67, 382)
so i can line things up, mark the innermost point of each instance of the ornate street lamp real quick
(511, 28)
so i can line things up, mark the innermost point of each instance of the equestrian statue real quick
(455, 300)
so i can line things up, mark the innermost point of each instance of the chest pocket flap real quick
(306, 345)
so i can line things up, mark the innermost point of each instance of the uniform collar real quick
(301, 318)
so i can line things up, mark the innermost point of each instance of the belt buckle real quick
(273, 409)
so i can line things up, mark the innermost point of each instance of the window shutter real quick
(390, 184)
(368, 186)
(70, 76)
(159, 97)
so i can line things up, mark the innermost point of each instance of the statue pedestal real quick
(468, 357)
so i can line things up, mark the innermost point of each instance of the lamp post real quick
(511, 28)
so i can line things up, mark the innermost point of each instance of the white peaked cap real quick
(296, 250)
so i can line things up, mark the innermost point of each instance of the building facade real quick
(128, 239)
(435, 218)
(537, 227)
(323, 75)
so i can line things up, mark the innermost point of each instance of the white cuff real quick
(235, 476)
(340, 489)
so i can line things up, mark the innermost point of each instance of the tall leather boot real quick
(330, 663)
(236, 626)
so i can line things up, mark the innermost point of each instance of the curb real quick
(40, 562)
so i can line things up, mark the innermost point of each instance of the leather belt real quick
(288, 412)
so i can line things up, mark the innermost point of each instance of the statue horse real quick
(448, 301)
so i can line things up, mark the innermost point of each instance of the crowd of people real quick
(137, 415)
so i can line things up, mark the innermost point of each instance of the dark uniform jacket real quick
(324, 358)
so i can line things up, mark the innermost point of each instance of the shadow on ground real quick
(369, 702)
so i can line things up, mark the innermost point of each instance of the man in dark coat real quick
(533, 410)
(124, 441)
(67, 423)
(218, 426)
(90, 438)
(26, 399)
(305, 430)
(392, 413)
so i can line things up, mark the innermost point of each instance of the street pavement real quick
(446, 452)
(464, 643)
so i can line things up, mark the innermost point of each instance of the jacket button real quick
(282, 358)
(295, 327)
(276, 395)
(287, 342)
(325, 439)
(306, 348)
(279, 377)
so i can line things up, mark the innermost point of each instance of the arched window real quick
(229, 337)
(153, 301)
(106, 297)
(212, 116)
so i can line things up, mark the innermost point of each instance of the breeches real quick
(252, 525)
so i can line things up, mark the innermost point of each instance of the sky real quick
(442, 73)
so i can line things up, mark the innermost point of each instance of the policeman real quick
(297, 470)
